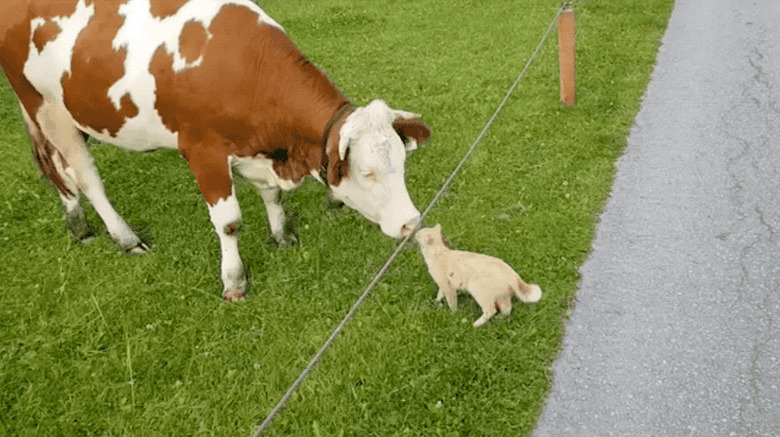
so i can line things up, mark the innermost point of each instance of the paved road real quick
(675, 331)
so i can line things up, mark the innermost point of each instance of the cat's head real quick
(429, 236)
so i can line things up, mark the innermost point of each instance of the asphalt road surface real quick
(675, 328)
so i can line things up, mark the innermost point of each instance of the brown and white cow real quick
(219, 81)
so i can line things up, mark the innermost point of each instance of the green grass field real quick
(95, 342)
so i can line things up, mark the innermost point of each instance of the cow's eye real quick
(371, 176)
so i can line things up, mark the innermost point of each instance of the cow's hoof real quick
(77, 225)
(333, 205)
(288, 239)
(233, 296)
(137, 249)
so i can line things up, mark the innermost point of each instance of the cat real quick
(489, 280)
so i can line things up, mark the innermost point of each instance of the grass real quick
(95, 342)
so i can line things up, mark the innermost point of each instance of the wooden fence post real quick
(566, 56)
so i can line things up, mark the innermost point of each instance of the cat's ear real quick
(437, 228)
(429, 240)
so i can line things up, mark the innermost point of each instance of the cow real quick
(217, 80)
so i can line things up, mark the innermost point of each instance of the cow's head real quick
(369, 177)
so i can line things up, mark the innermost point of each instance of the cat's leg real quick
(446, 289)
(488, 304)
(504, 304)
(451, 293)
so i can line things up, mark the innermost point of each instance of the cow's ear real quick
(397, 113)
(338, 165)
(348, 132)
(344, 143)
(412, 130)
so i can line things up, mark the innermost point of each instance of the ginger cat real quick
(489, 280)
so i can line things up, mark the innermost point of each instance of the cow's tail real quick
(527, 292)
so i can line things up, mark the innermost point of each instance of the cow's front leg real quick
(226, 217)
(277, 222)
(209, 164)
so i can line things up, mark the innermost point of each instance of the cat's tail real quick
(527, 292)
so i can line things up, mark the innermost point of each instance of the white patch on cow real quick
(274, 210)
(260, 171)
(316, 175)
(70, 203)
(376, 186)
(262, 17)
(411, 144)
(225, 213)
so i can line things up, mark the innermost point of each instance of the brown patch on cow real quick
(336, 168)
(412, 128)
(129, 109)
(255, 90)
(192, 40)
(47, 156)
(207, 154)
(49, 9)
(45, 34)
(95, 67)
(233, 295)
(233, 228)
(44, 154)
(166, 8)
(14, 50)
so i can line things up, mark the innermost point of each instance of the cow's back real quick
(97, 58)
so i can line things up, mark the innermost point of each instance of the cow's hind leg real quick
(75, 219)
(54, 167)
(75, 162)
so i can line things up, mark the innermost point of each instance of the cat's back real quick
(479, 264)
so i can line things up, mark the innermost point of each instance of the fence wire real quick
(351, 313)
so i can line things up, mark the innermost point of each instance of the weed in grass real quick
(79, 322)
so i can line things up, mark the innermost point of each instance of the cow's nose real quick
(408, 228)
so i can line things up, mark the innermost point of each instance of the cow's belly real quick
(142, 133)
(260, 171)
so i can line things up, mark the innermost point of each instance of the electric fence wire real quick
(351, 313)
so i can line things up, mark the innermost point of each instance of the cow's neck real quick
(298, 108)
(332, 167)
